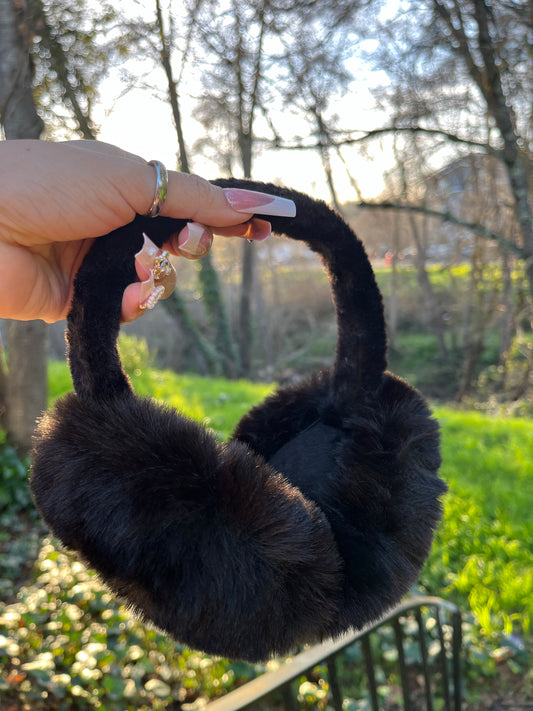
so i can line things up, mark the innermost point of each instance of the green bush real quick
(66, 642)
(19, 527)
(135, 354)
(14, 492)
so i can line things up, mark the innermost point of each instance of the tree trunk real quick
(433, 315)
(207, 275)
(3, 387)
(324, 141)
(213, 360)
(51, 44)
(248, 272)
(164, 54)
(485, 71)
(506, 328)
(492, 88)
(326, 164)
(245, 311)
(481, 307)
(392, 301)
(26, 390)
(217, 312)
(26, 384)
(17, 110)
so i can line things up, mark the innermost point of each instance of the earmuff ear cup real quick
(370, 468)
(204, 539)
(285, 413)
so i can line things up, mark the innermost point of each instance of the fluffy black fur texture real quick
(314, 518)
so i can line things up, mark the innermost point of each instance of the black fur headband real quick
(314, 518)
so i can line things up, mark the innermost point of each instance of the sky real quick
(142, 124)
(140, 121)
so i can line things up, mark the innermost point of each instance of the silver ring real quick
(161, 185)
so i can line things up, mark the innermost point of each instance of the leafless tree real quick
(26, 384)
(234, 94)
(224, 357)
(313, 73)
(461, 78)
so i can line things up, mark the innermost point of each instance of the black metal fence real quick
(438, 684)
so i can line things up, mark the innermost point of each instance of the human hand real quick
(56, 198)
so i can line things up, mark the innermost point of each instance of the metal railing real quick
(445, 663)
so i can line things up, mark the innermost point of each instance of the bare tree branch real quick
(346, 140)
(448, 217)
(497, 104)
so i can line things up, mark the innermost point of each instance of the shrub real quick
(135, 354)
(14, 493)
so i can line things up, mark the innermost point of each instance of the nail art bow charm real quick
(164, 274)
(158, 276)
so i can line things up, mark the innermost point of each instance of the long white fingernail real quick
(262, 203)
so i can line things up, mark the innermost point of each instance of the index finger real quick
(193, 198)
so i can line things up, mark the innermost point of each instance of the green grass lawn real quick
(76, 647)
(217, 403)
(483, 550)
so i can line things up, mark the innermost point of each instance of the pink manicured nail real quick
(146, 256)
(154, 270)
(251, 201)
(259, 230)
(194, 239)
(150, 293)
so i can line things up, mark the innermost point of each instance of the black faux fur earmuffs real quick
(314, 518)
